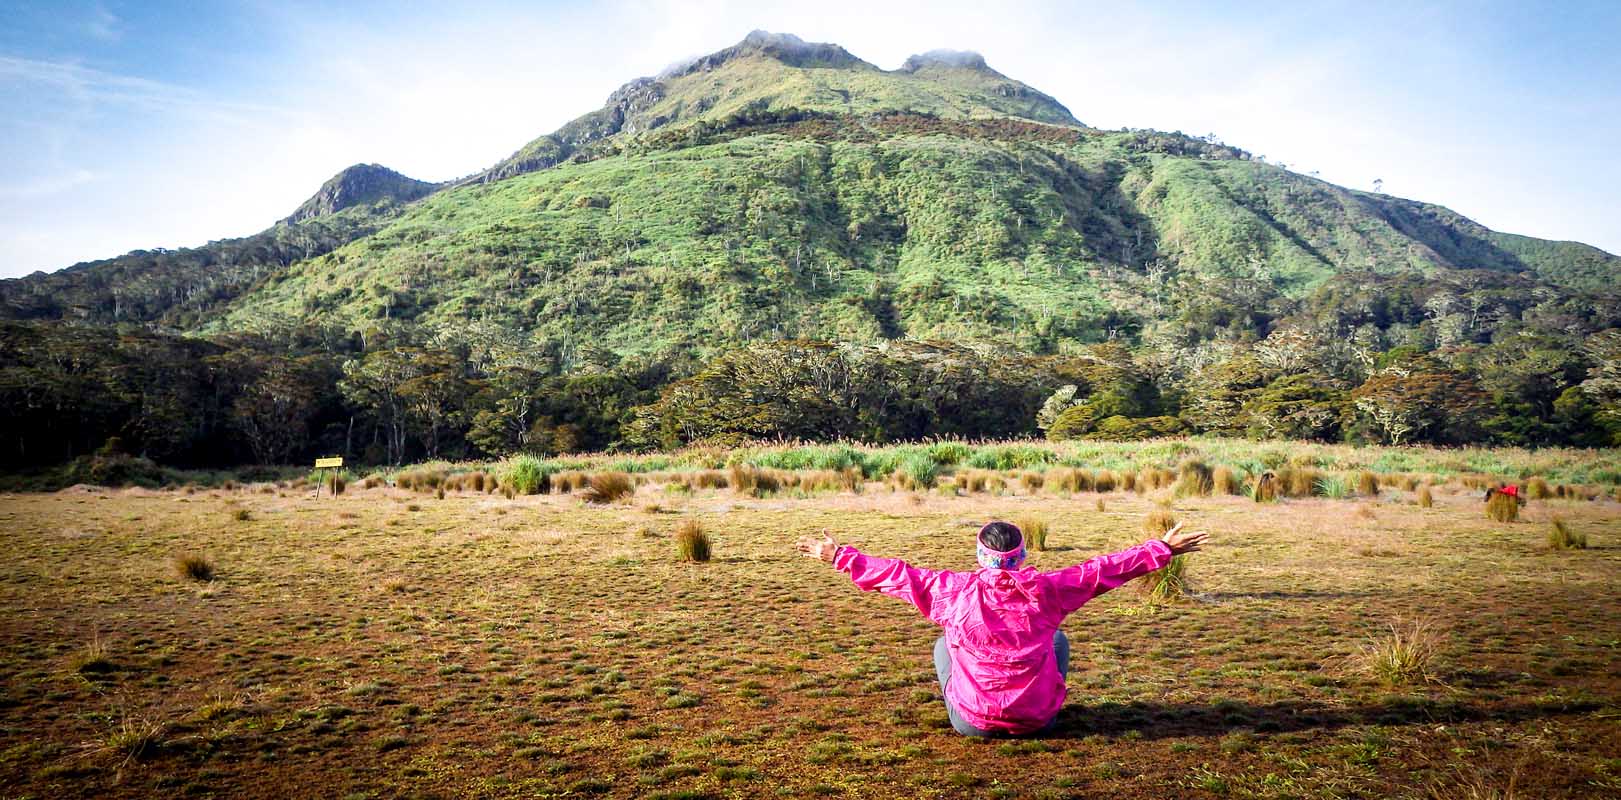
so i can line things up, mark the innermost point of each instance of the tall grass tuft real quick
(1193, 479)
(1266, 488)
(1128, 481)
(1537, 489)
(691, 543)
(1502, 508)
(609, 487)
(1404, 653)
(1157, 522)
(1169, 584)
(1561, 537)
(191, 566)
(526, 475)
(1367, 484)
(1104, 481)
(1426, 498)
(1336, 487)
(1035, 532)
(1032, 481)
(1224, 482)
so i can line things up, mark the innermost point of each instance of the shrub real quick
(191, 566)
(1157, 522)
(1426, 498)
(1561, 537)
(691, 543)
(1537, 489)
(1403, 655)
(1502, 508)
(609, 487)
(1367, 484)
(1035, 532)
(1224, 482)
(1168, 584)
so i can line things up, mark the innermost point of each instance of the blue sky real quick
(127, 125)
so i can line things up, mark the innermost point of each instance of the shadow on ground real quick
(1165, 720)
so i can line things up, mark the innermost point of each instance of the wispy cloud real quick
(48, 185)
(86, 86)
(105, 25)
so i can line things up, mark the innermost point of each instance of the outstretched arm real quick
(891, 576)
(1082, 582)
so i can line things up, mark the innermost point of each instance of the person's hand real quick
(822, 548)
(1181, 541)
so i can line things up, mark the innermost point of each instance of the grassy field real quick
(386, 643)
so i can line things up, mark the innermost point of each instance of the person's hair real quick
(1001, 536)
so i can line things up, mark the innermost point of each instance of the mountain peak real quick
(784, 47)
(950, 59)
(361, 184)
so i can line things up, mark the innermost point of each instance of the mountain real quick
(175, 288)
(780, 188)
(361, 184)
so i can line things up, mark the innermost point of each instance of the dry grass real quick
(1367, 484)
(1104, 481)
(193, 567)
(1502, 508)
(1169, 584)
(1224, 482)
(1426, 497)
(1537, 489)
(541, 645)
(691, 543)
(1561, 537)
(608, 487)
(1035, 532)
(1265, 489)
(1157, 522)
(1404, 654)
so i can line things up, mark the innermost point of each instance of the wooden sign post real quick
(332, 463)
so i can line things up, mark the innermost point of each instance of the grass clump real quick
(1537, 489)
(1224, 482)
(1404, 653)
(241, 515)
(191, 566)
(1194, 479)
(1157, 522)
(691, 543)
(1426, 498)
(1367, 484)
(1502, 507)
(1035, 532)
(526, 475)
(609, 487)
(1561, 537)
(1169, 584)
(1265, 489)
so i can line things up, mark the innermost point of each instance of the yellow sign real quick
(323, 463)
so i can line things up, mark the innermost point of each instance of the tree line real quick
(71, 391)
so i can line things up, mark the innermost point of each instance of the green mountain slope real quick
(176, 288)
(780, 188)
(845, 227)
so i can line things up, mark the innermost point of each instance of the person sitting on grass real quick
(1002, 660)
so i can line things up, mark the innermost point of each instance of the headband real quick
(991, 558)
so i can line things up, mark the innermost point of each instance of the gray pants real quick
(942, 670)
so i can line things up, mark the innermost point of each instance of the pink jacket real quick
(999, 625)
